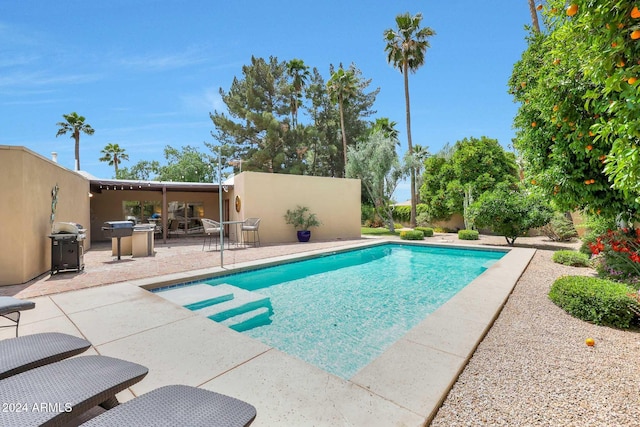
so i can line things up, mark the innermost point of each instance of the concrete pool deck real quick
(403, 387)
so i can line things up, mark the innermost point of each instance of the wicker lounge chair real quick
(178, 405)
(56, 394)
(10, 309)
(31, 351)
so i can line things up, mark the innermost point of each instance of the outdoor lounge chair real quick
(10, 308)
(178, 405)
(211, 230)
(252, 225)
(31, 351)
(56, 394)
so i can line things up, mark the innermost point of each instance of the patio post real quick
(220, 206)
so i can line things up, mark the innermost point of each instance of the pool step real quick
(243, 301)
(198, 296)
(249, 320)
(234, 307)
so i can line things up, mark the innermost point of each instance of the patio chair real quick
(10, 309)
(57, 393)
(252, 225)
(31, 351)
(211, 230)
(178, 405)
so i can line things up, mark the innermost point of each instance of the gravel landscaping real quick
(533, 368)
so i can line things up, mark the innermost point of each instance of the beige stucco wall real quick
(25, 211)
(107, 205)
(335, 201)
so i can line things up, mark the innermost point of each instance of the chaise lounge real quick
(31, 351)
(10, 309)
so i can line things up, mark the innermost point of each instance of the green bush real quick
(572, 258)
(411, 235)
(468, 235)
(599, 301)
(402, 213)
(397, 225)
(559, 229)
(428, 232)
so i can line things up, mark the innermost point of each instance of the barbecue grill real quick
(67, 246)
(117, 230)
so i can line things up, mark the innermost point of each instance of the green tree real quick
(113, 154)
(257, 125)
(144, 170)
(456, 176)
(342, 87)
(188, 165)
(387, 127)
(75, 124)
(577, 124)
(375, 162)
(510, 212)
(299, 74)
(406, 48)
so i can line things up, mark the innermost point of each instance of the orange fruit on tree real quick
(620, 26)
(587, 182)
(572, 10)
(620, 63)
(589, 147)
(539, 7)
(591, 133)
(555, 108)
(556, 61)
(590, 342)
(534, 124)
(635, 35)
(592, 181)
(614, 44)
(635, 13)
(632, 80)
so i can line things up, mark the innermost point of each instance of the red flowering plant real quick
(618, 255)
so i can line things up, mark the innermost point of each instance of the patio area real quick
(532, 367)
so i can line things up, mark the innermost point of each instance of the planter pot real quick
(304, 236)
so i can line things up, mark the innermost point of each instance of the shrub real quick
(428, 232)
(411, 235)
(443, 230)
(468, 235)
(397, 225)
(572, 258)
(559, 229)
(599, 301)
(402, 213)
(618, 255)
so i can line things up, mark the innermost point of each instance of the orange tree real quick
(577, 125)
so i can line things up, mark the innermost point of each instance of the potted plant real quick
(302, 220)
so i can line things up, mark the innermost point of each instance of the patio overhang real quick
(100, 185)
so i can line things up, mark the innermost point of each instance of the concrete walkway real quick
(402, 387)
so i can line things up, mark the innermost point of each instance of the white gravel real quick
(534, 369)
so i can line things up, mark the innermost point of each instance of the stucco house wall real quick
(25, 211)
(335, 201)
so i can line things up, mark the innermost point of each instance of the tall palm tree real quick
(299, 74)
(74, 124)
(113, 155)
(406, 48)
(342, 86)
(387, 128)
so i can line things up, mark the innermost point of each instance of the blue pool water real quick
(339, 312)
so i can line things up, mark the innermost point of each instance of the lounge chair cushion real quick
(11, 305)
(55, 394)
(30, 351)
(178, 405)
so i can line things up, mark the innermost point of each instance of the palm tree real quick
(387, 128)
(534, 16)
(406, 48)
(299, 73)
(74, 124)
(342, 86)
(113, 154)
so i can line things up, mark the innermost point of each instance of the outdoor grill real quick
(67, 250)
(117, 230)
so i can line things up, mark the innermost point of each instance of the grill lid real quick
(117, 224)
(67, 228)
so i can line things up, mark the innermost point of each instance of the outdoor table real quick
(238, 236)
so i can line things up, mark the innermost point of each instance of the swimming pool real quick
(339, 311)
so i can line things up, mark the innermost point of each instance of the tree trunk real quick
(76, 137)
(534, 16)
(344, 138)
(412, 220)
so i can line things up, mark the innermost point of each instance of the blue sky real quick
(146, 73)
